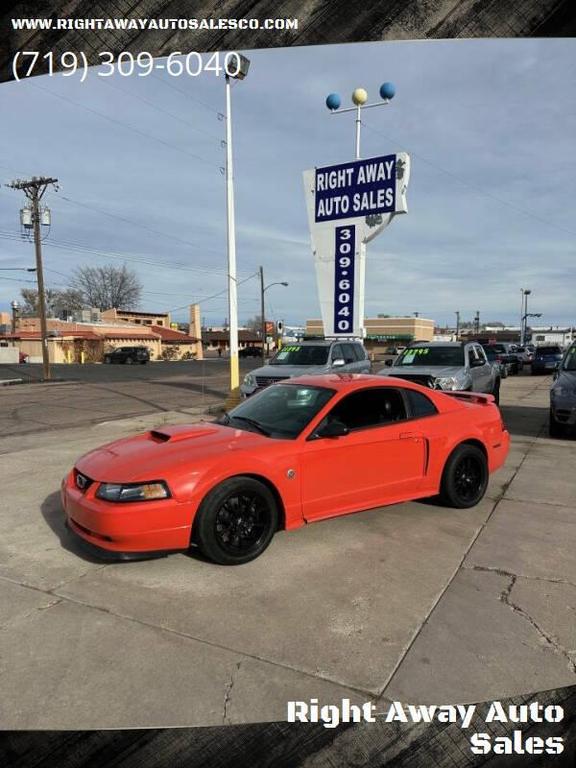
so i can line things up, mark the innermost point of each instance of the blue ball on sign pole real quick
(333, 101)
(387, 90)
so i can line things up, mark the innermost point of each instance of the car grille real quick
(81, 481)
(265, 381)
(425, 381)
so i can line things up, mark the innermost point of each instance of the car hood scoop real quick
(175, 433)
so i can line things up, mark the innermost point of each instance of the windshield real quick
(308, 354)
(280, 411)
(548, 351)
(441, 356)
(570, 360)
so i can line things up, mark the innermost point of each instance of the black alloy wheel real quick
(555, 429)
(236, 521)
(129, 361)
(465, 477)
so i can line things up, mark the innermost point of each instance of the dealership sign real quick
(348, 205)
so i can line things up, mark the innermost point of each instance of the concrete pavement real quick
(413, 601)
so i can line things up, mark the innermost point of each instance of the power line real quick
(169, 84)
(214, 296)
(478, 189)
(163, 111)
(124, 125)
(131, 222)
(83, 248)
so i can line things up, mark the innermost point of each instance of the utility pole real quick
(34, 189)
(262, 312)
(457, 324)
(477, 322)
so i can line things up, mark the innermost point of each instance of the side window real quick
(349, 356)
(420, 405)
(369, 408)
(337, 352)
(472, 355)
(481, 354)
(359, 352)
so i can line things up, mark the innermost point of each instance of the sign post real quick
(348, 206)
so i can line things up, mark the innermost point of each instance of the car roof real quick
(439, 343)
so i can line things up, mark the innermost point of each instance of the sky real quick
(490, 126)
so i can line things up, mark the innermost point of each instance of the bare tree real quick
(57, 301)
(108, 287)
(255, 324)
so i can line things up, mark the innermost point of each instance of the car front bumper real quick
(563, 410)
(129, 530)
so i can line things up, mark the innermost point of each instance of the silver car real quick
(453, 366)
(308, 357)
(563, 395)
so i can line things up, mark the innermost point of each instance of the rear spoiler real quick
(473, 397)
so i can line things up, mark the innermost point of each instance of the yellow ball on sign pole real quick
(359, 97)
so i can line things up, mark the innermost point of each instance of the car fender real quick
(443, 446)
(281, 477)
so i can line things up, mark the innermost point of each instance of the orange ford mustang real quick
(304, 450)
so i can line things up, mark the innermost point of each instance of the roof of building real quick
(139, 314)
(170, 334)
(243, 336)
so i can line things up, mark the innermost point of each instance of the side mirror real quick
(389, 363)
(476, 363)
(332, 429)
(338, 363)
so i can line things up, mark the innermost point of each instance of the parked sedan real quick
(563, 396)
(128, 355)
(250, 352)
(297, 452)
(546, 359)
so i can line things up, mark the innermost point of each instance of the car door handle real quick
(410, 435)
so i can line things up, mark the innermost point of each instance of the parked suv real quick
(128, 355)
(453, 366)
(563, 395)
(506, 355)
(546, 359)
(308, 357)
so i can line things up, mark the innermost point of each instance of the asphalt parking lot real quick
(412, 602)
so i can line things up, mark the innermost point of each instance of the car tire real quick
(496, 391)
(555, 429)
(465, 477)
(107, 359)
(129, 361)
(143, 362)
(220, 528)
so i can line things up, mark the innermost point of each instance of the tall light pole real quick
(263, 289)
(234, 396)
(15, 307)
(525, 293)
(457, 313)
(34, 190)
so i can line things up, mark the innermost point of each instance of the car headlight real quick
(447, 382)
(563, 392)
(249, 380)
(132, 491)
